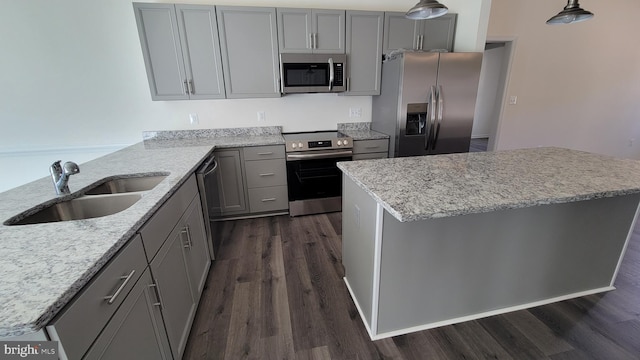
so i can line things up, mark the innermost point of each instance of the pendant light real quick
(572, 13)
(426, 9)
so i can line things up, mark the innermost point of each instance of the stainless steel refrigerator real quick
(427, 102)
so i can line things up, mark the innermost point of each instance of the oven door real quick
(315, 175)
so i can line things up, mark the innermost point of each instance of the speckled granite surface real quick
(418, 188)
(360, 131)
(43, 266)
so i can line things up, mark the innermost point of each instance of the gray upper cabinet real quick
(201, 49)
(403, 33)
(249, 46)
(364, 52)
(311, 31)
(181, 51)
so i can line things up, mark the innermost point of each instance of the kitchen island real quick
(436, 240)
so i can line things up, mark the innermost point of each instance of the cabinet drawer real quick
(369, 156)
(155, 231)
(268, 199)
(72, 326)
(370, 146)
(266, 173)
(264, 152)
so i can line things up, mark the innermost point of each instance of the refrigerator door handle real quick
(439, 116)
(431, 113)
(331, 74)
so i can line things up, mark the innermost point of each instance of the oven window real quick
(306, 75)
(314, 179)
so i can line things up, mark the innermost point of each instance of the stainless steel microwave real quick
(313, 73)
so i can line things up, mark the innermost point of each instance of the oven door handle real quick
(319, 155)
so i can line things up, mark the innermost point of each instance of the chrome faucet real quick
(60, 175)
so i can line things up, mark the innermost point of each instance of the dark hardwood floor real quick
(478, 144)
(276, 292)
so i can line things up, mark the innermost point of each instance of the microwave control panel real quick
(338, 68)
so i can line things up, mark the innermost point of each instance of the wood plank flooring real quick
(276, 292)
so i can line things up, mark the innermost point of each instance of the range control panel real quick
(307, 145)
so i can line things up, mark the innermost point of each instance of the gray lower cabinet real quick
(311, 31)
(403, 33)
(370, 149)
(231, 182)
(181, 51)
(266, 172)
(79, 324)
(136, 328)
(249, 46)
(364, 52)
(170, 269)
(196, 248)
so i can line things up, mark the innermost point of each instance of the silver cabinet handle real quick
(191, 88)
(112, 298)
(187, 231)
(266, 153)
(186, 87)
(269, 199)
(421, 42)
(157, 290)
(267, 174)
(371, 147)
(310, 46)
(315, 40)
(331, 74)
(417, 43)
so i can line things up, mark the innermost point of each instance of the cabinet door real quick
(438, 33)
(161, 49)
(136, 328)
(196, 249)
(232, 194)
(249, 46)
(399, 32)
(329, 29)
(294, 30)
(201, 50)
(170, 272)
(364, 52)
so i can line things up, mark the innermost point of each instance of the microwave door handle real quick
(331, 74)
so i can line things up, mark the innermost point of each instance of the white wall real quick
(486, 116)
(73, 77)
(578, 85)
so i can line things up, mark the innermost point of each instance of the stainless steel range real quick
(313, 179)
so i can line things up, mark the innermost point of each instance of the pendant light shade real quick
(426, 9)
(572, 13)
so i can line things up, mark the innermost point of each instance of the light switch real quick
(261, 116)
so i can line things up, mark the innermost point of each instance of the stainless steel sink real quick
(85, 207)
(126, 184)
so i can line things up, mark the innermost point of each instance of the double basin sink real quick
(106, 197)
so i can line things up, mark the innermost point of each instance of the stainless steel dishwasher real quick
(208, 186)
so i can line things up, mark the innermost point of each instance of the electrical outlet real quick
(355, 112)
(513, 100)
(193, 119)
(261, 116)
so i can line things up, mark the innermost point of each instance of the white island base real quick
(412, 276)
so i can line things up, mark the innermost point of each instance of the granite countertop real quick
(43, 266)
(364, 134)
(360, 131)
(418, 188)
